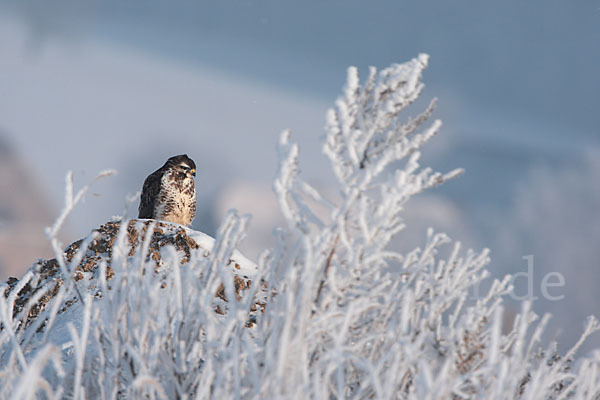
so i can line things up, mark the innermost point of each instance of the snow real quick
(247, 267)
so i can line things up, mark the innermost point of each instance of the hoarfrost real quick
(345, 316)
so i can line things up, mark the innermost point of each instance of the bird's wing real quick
(149, 194)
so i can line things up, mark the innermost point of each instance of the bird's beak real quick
(193, 172)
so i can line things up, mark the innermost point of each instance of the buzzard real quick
(169, 194)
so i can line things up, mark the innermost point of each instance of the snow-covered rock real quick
(85, 259)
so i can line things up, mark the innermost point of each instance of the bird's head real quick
(182, 164)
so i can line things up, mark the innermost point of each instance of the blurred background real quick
(86, 86)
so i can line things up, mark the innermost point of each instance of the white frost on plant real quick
(346, 315)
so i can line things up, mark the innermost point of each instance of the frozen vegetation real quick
(331, 312)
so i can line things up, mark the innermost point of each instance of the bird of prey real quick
(168, 193)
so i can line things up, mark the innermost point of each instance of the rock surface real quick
(44, 279)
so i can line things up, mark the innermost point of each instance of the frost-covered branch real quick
(146, 309)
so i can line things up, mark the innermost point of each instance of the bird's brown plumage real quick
(169, 193)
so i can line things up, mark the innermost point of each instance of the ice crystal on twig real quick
(144, 309)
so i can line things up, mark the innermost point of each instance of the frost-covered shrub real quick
(345, 315)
